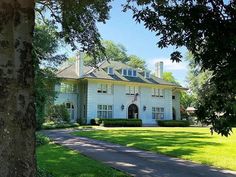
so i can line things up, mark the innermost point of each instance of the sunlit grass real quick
(195, 144)
(63, 162)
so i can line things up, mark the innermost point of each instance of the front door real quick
(132, 111)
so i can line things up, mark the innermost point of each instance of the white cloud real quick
(168, 64)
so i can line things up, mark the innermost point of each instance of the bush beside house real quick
(58, 117)
(58, 125)
(173, 123)
(58, 113)
(117, 122)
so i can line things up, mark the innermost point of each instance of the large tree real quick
(77, 20)
(207, 28)
(17, 111)
(114, 52)
(168, 76)
(186, 99)
(45, 46)
(196, 77)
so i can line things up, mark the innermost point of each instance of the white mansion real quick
(115, 90)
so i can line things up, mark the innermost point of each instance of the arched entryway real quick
(174, 113)
(132, 111)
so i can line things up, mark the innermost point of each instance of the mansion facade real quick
(115, 90)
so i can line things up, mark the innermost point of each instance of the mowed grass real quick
(195, 144)
(62, 162)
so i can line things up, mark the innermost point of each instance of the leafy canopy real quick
(186, 99)
(208, 29)
(114, 52)
(77, 21)
(45, 46)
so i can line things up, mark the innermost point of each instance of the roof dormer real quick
(110, 71)
(147, 74)
(129, 72)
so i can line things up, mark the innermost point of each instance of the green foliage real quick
(45, 45)
(119, 122)
(77, 21)
(43, 173)
(45, 81)
(208, 31)
(173, 123)
(62, 162)
(114, 52)
(93, 122)
(58, 113)
(58, 125)
(168, 76)
(136, 62)
(41, 139)
(187, 99)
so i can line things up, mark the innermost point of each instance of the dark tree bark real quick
(17, 110)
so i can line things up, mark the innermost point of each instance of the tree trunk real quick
(17, 110)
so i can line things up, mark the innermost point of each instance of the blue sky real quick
(121, 28)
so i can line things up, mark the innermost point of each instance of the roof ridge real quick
(65, 68)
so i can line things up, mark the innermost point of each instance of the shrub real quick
(41, 139)
(173, 123)
(98, 121)
(119, 122)
(92, 122)
(58, 113)
(58, 125)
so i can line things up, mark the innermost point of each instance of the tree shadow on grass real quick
(63, 162)
(174, 143)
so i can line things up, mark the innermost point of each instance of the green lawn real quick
(195, 144)
(63, 162)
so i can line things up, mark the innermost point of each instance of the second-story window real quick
(104, 88)
(156, 92)
(68, 87)
(131, 90)
(134, 73)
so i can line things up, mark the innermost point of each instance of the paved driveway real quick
(135, 162)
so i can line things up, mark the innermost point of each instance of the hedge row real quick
(53, 125)
(117, 122)
(173, 123)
